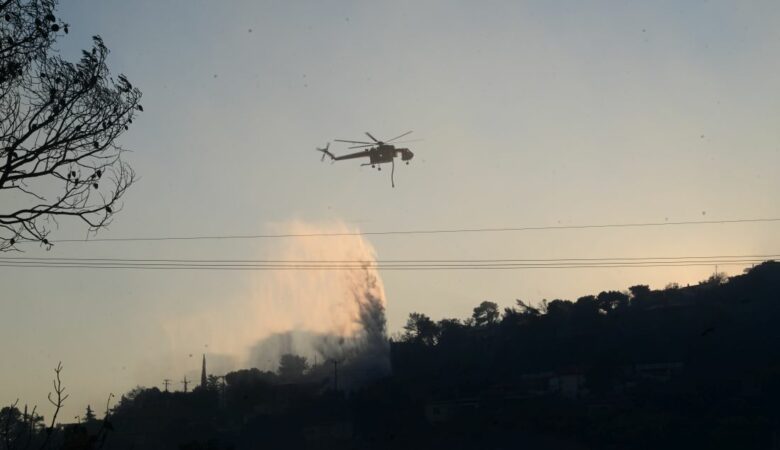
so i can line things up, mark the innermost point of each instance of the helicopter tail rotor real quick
(326, 152)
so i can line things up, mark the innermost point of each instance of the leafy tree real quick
(212, 383)
(559, 308)
(420, 328)
(521, 314)
(292, 366)
(716, 279)
(486, 313)
(611, 300)
(640, 295)
(28, 29)
(526, 309)
(10, 422)
(586, 301)
(639, 292)
(59, 125)
(450, 329)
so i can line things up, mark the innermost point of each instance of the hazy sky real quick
(532, 113)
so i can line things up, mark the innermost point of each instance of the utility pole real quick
(335, 375)
(166, 382)
(221, 390)
(185, 382)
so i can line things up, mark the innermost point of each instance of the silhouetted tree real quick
(521, 314)
(486, 313)
(612, 300)
(450, 328)
(420, 328)
(57, 399)
(212, 383)
(19, 429)
(639, 292)
(292, 366)
(10, 423)
(559, 308)
(59, 123)
(716, 279)
(697, 367)
(29, 29)
(89, 415)
(526, 309)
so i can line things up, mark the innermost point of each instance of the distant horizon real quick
(193, 373)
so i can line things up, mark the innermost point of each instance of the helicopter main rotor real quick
(377, 142)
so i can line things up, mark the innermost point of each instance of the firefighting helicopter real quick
(377, 152)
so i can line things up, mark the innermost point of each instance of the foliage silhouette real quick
(628, 370)
(292, 367)
(59, 125)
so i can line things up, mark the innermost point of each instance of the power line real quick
(412, 267)
(381, 262)
(261, 269)
(425, 232)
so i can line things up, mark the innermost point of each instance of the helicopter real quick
(377, 152)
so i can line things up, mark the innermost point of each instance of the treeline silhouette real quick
(677, 368)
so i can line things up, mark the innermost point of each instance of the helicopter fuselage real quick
(380, 154)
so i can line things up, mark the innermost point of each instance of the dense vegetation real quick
(682, 367)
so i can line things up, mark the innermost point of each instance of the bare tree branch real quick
(57, 400)
(59, 125)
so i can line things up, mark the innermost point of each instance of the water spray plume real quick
(323, 315)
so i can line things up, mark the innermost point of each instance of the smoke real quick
(350, 328)
(323, 315)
